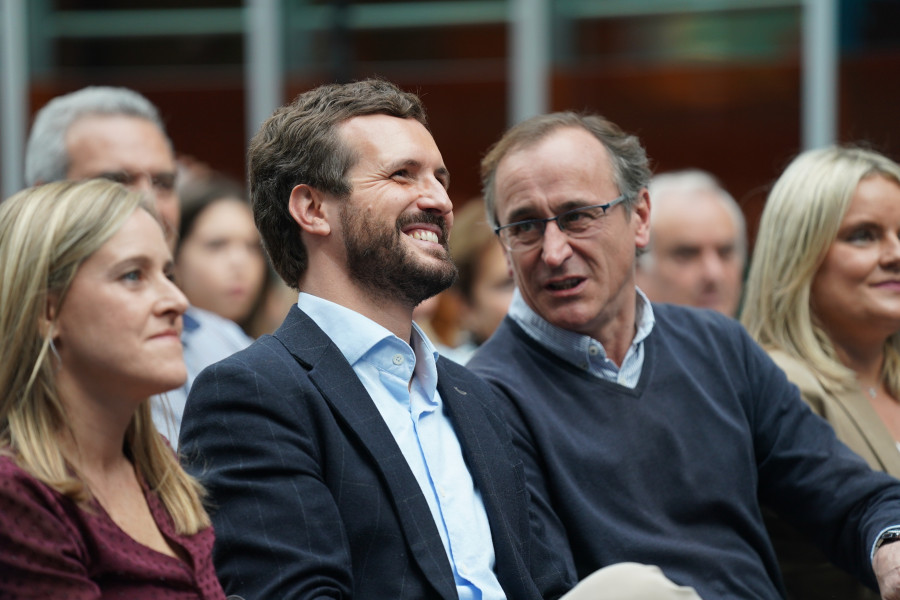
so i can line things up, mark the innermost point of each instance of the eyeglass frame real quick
(542, 223)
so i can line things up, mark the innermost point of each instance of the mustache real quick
(428, 219)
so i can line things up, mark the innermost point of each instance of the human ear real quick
(306, 206)
(641, 215)
(47, 317)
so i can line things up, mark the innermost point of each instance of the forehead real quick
(696, 215)
(875, 194)
(140, 234)
(382, 139)
(225, 215)
(103, 143)
(567, 167)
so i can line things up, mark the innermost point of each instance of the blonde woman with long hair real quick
(93, 502)
(823, 298)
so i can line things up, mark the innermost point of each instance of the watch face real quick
(888, 537)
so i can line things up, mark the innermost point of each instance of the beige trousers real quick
(629, 581)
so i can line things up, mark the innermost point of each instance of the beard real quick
(387, 268)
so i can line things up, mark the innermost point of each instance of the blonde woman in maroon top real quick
(93, 503)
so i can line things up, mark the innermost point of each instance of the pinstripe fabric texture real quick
(311, 496)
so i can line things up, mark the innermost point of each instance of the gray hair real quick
(46, 156)
(627, 156)
(693, 181)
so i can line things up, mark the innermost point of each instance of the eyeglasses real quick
(162, 183)
(576, 223)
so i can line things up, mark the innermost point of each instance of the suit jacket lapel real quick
(335, 379)
(501, 493)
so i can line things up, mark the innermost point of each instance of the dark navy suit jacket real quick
(311, 496)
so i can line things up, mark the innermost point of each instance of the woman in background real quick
(823, 298)
(485, 284)
(93, 503)
(219, 257)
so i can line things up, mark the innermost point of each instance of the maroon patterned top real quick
(51, 548)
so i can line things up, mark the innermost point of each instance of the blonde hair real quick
(46, 233)
(800, 221)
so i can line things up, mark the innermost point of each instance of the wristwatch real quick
(888, 537)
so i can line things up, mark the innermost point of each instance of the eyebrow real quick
(527, 212)
(142, 261)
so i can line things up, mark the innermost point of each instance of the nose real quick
(143, 183)
(712, 266)
(433, 198)
(171, 299)
(890, 254)
(555, 249)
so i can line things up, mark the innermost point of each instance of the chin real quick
(170, 380)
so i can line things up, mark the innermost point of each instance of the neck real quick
(383, 309)
(617, 334)
(866, 360)
(96, 430)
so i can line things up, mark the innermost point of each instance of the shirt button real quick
(398, 359)
(593, 350)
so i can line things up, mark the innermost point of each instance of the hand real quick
(886, 565)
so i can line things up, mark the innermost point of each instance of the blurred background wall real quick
(735, 87)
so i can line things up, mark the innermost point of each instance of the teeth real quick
(424, 235)
(563, 285)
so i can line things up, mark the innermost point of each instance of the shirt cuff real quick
(878, 537)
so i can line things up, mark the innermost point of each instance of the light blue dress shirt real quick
(414, 413)
(584, 351)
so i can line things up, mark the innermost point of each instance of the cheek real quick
(257, 267)
(98, 322)
(198, 274)
(844, 268)
(524, 264)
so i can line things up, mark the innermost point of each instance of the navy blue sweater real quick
(672, 472)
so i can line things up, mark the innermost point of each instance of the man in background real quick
(698, 243)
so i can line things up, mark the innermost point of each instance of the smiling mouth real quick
(424, 235)
(564, 284)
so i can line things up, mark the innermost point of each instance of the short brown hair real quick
(629, 159)
(299, 144)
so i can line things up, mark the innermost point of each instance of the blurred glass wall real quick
(714, 84)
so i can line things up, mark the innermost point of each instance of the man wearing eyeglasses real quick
(116, 133)
(652, 432)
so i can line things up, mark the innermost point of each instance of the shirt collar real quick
(354, 334)
(571, 346)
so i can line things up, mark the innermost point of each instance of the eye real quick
(132, 276)
(164, 182)
(522, 228)
(727, 253)
(118, 176)
(216, 244)
(862, 235)
(580, 219)
(573, 217)
(685, 253)
(402, 173)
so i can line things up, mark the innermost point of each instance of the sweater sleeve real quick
(41, 551)
(811, 478)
